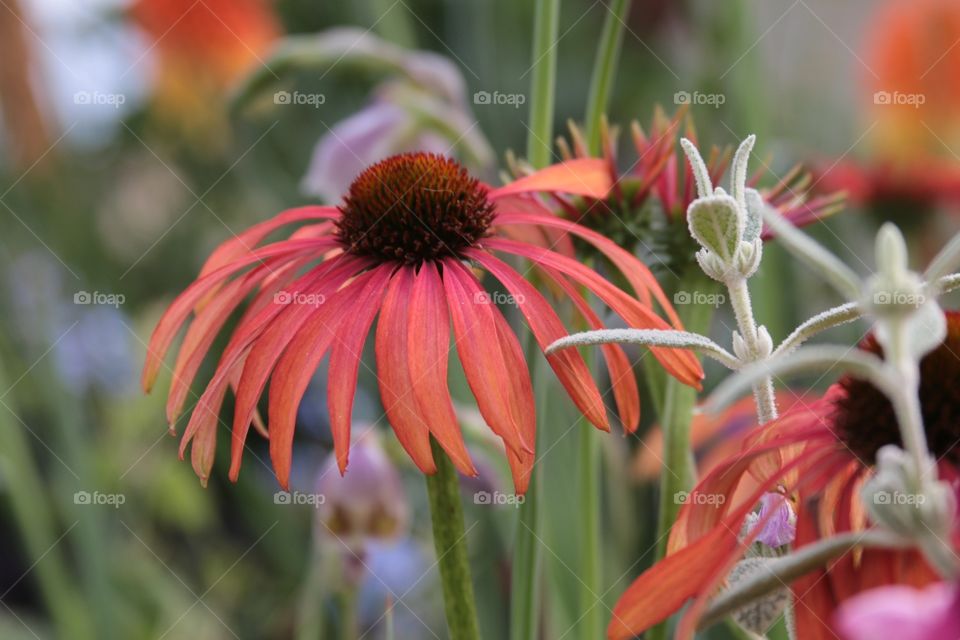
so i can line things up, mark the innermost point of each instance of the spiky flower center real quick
(414, 207)
(864, 417)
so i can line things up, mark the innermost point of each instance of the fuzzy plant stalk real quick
(907, 321)
(450, 541)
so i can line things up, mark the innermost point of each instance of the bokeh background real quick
(128, 151)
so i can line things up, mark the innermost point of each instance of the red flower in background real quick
(820, 455)
(913, 89)
(404, 245)
(216, 38)
(659, 173)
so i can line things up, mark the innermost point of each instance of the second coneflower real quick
(405, 244)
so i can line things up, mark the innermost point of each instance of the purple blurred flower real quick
(902, 612)
(421, 107)
(781, 527)
(368, 502)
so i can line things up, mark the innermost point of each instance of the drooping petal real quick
(184, 304)
(622, 379)
(301, 358)
(247, 240)
(639, 276)
(680, 363)
(282, 322)
(582, 176)
(345, 357)
(428, 343)
(475, 334)
(568, 365)
(521, 462)
(393, 373)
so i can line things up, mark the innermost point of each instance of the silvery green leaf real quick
(738, 170)
(925, 330)
(754, 222)
(809, 359)
(715, 223)
(945, 261)
(821, 322)
(649, 337)
(700, 173)
(891, 252)
(839, 275)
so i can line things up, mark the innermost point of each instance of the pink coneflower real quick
(819, 455)
(405, 244)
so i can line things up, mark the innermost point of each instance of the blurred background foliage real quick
(123, 163)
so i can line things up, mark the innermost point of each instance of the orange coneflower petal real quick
(583, 176)
(281, 322)
(184, 304)
(393, 373)
(345, 357)
(428, 342)
(299, 362)
(624, 382)
(547, 328)
(475, 334)
(521, 462)
(247, 240)
(680, 363)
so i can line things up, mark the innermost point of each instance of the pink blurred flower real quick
(902, 612)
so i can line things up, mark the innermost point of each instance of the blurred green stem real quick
(678, 473)
(450, 541)
(525, 586)
(33, 516)
(604, 69)
(392, 22)
(543, 82)
(591, 608)
(347, 603)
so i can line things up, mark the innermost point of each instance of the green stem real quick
(678, 474)
(449, 539)
(347, 603)
(543, 82)
(35, 520)
(591, 626)
(525, 586)
(604, 68)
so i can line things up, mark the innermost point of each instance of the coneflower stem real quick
(604, 68)
(450, 542)
(543, 78)
(591, 603)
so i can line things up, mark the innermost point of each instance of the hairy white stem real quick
(821, 322)
(763, 391)
(784, 570)
(650, 338)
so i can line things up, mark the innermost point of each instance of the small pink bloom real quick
(903, 613)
